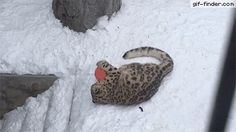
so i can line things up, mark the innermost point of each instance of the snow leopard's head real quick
(100, 94)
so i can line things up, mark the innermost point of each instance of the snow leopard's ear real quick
(106, 66)
(102, 63)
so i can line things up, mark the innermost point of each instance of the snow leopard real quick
(132, 83)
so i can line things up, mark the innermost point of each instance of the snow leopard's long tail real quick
(166, 64)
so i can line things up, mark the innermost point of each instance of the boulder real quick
(15, 89)
(81, 15)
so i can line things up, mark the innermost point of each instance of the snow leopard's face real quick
(103, 90)
(99, 94)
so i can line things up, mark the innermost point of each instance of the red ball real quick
(100, 74)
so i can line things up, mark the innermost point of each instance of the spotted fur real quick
(132, 83)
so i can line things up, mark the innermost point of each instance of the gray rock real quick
(15, 89)
(81, 15)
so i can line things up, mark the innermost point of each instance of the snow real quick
(231, 127)
(33, 41)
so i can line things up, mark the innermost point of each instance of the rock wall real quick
(15, 89)
(81, 15)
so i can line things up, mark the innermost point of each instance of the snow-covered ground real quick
(33, 41)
